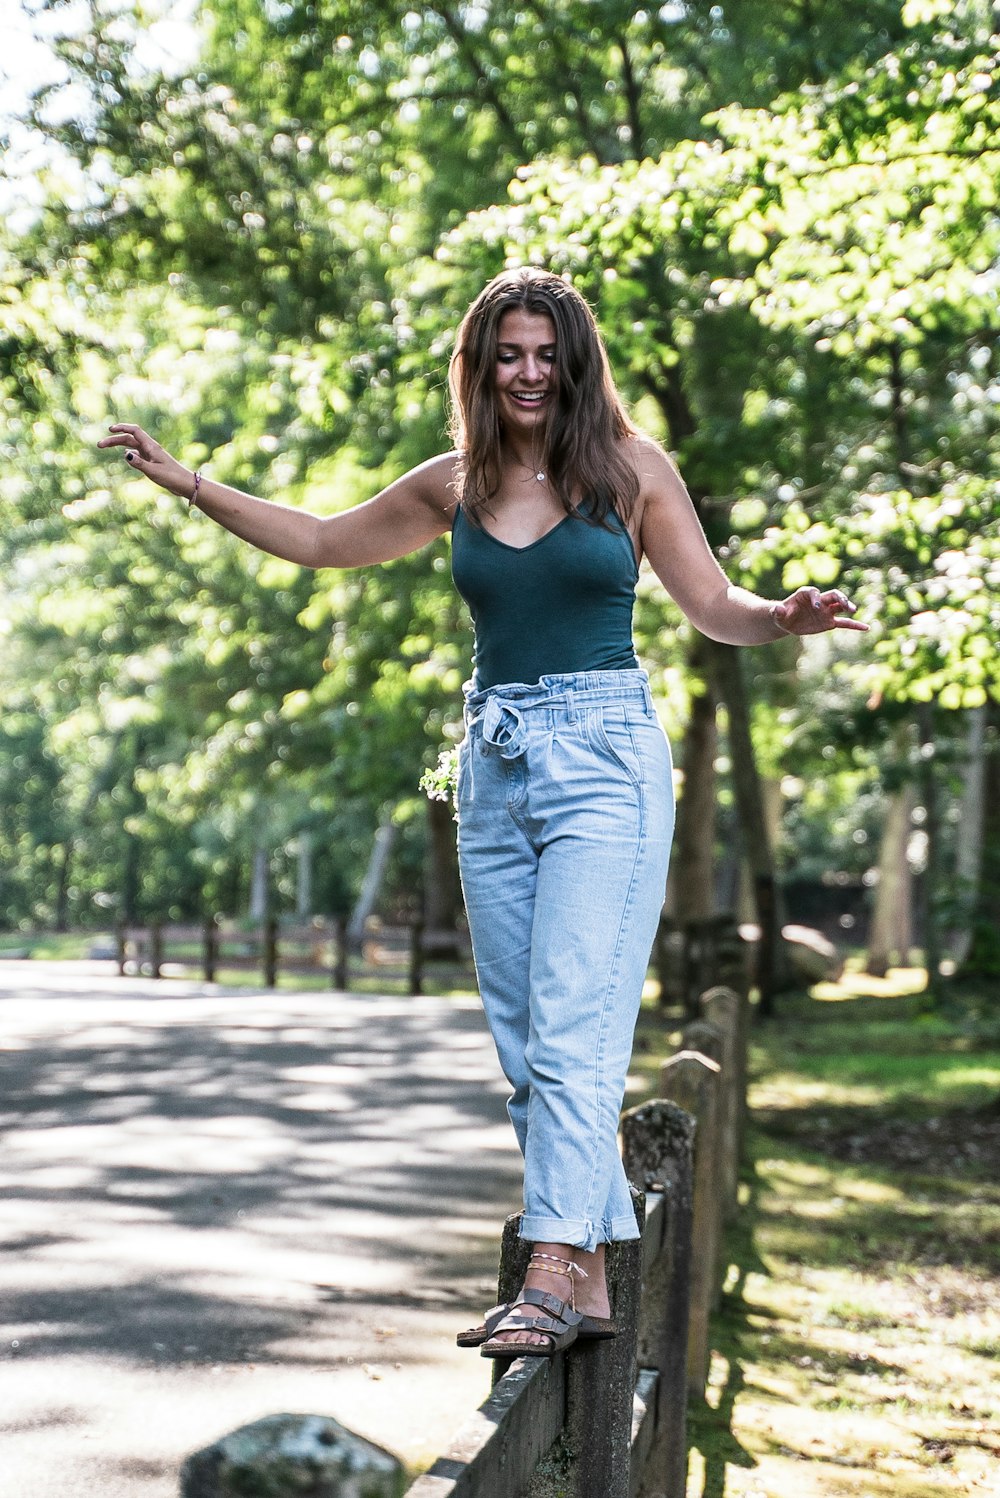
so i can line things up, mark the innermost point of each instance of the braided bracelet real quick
(775, 621)
(194, 493)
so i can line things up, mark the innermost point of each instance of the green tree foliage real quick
(786, 219)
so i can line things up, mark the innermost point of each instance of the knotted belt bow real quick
(503, 727)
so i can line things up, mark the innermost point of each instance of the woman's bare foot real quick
(583, 1286)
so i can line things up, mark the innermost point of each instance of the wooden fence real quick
(688, 957)
(605, 1419)
(692, 956)
(318, 948)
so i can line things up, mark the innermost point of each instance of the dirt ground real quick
(857, 1348)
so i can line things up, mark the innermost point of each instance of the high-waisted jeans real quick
(565, 816)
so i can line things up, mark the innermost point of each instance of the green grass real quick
(49, 946)
(186, 962)
(855, 1351)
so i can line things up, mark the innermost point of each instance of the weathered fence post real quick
(417, 957)
(285, 1454)
(155, 948)
(600, 1375)
(657, 1148)
(209, 947)
(701, 1036)
(514, 1255)
(723, 1008)
(271, 953)
(600, 1381)
(734, 958)
(692, 1081)
(340, 954)
(707, 1040)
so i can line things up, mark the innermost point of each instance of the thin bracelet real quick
(194, 493)
(777, 624)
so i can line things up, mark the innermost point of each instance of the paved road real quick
(224, 1203)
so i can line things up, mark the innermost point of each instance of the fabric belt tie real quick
(503, 728)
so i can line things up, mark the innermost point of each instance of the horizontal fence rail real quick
(320, 948)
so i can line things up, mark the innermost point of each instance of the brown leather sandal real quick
(554, 1319)
(477, 1335)
(592, 1328)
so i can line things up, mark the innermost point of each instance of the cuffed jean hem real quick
(585, 1235)
(623, 1229)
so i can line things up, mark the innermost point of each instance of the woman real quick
(565, 805)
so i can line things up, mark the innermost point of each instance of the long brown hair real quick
(585, 456)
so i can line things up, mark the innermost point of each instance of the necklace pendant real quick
(540, 477)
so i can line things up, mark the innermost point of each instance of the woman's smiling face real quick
(526, 376)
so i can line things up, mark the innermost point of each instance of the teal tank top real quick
(563, 603)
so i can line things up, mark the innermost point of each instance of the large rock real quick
(285, 1456)
(812, 955)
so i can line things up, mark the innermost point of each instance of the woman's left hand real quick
(807, 611)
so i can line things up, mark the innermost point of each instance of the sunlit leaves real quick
(788, 227)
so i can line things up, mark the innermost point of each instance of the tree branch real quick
(462, 40)
(633, 93)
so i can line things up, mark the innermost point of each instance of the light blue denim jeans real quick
(565, 816)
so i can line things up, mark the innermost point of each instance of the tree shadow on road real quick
(178, 1167)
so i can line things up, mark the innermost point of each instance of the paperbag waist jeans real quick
(565, 817)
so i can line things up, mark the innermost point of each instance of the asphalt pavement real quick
(218, 1204)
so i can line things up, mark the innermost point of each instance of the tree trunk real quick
(983, 960)
(891, 934)
(770, 790)
(930, 883)
(691, 888)
(132, 859)
(969, 855)
(304, 872)
(442, 891)
(62, 887)
(371, 885)
(260, 885)
(730, 687)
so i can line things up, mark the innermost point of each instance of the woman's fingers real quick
(841, 608)
(145, 455)
(126, 434)
(811, 611)
(120, 433)
(141, 450)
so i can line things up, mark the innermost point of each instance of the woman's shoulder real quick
(437, 481)
(645, 452)
(656, 470)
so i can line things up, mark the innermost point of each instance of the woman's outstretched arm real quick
(404, 516)
(673, 540)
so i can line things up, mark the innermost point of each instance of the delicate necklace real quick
(534, 468)
(536, 473)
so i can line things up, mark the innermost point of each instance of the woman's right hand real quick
(146, 456)
(406, 515)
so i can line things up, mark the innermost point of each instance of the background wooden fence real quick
(320, 948)
(688, 957)
(605, 1419)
